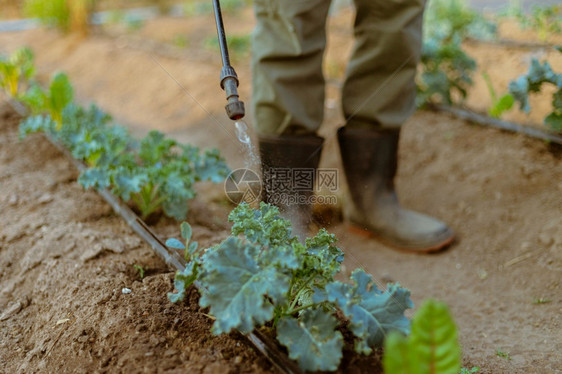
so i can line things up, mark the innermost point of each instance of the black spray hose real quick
(228, 80)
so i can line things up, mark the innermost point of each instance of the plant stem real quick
(301, 288)
(490, 87)
(296, 310)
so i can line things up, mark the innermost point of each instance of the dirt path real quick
(500, 192)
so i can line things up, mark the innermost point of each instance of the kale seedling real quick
(155, 173)
(539, 74)
(446, 69)
(262, 274)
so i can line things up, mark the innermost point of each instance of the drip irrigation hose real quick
(229, 79)
(483, 120)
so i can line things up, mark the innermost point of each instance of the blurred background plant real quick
(446, 70)
(65, 15)
(16, 71)
(544, 19)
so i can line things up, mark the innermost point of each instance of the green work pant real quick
(287, 51)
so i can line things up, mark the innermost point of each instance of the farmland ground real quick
(500, 192)
(65, 260)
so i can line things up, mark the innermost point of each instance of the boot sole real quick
(423, 250)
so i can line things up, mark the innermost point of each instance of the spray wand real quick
(228, 79)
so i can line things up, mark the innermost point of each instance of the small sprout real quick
(542, 300)
(469, 371)
(505, 355)
(140, 269)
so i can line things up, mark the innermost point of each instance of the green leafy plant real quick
(262, 275)
(155, 173)
(539, 74)
(140, 269)
(431, 348)
(16, 71)
(502, 354)
(499, 104)
(446, 72)
(53, 101)
(470, 371)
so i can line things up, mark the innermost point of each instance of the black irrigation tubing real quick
(483, 120)
(512, 43)
(262, 343)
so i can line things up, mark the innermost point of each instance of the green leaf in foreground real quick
(372, 313)
(239, 292)
(397, 358)
(432, 348)
(312, 340)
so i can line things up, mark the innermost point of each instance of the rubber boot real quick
(370, 161)
(289, 165)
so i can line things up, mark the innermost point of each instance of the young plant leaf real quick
(432, 348)
(126, 182)
(186, 231)
(312, 340)
(503, 104)
(397, 358)
(372, 313)
(61, 94)
(174, 243)
(434, 340)
(239, 292)
(36, 124)
(35, 98)
(94, 178)
(182, 281)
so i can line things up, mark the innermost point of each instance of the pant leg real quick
(379, 89)
(287, 49)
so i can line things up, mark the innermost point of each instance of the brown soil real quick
(501, 192)
(65, 260)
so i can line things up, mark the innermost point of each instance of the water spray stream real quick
(252, 159)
